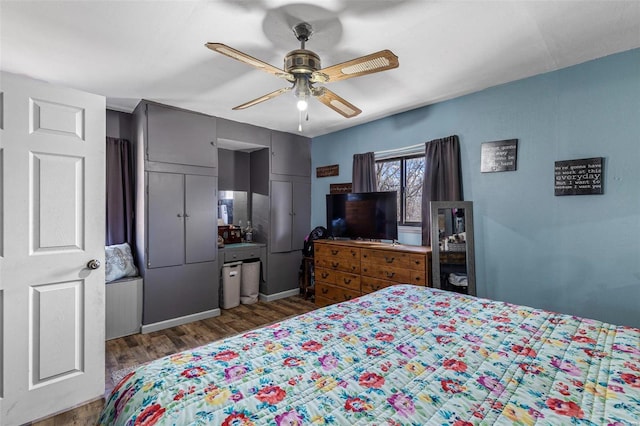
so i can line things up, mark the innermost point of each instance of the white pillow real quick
(119, 262)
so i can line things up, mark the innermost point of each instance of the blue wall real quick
(573, 254)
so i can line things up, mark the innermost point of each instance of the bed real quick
(405, 355)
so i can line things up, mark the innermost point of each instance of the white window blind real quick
(400, 152)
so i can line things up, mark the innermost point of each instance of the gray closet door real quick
(290, 154)
(165, 219)
(181, 137)
(281, 216)
(201, 228)
(301, 214)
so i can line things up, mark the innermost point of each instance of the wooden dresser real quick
(348, 269)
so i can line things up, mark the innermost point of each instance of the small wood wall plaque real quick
(499, 156)
(340, 188)
(324, 171)
(579, 177)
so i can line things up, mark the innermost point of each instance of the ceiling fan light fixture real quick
(302, 67)
(302, 91)
(302, 104)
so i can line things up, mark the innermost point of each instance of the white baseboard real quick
(282, 295)
(149, 328)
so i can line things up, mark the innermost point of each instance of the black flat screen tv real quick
(366, 215)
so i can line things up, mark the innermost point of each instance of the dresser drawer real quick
(418, 278)
(333, 251)
(323, 301)
(235, 255)
(382, 271)
(341, 279)
(325, 275)
(394, 259)
(338, 264)
(335, 293)
(369, 285)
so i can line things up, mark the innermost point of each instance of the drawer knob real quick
(325, 274)
(335, 264)
(390, 274)
(346, 280)
(347, 297)
(325, 290)
(334, 252)
(389, 259)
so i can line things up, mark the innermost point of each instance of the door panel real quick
(50, 117)
(165, 217)
(181, 137)
(56, 323)
(201, 228)
(301, 214)
(290, 154)
(281, 214)
(57, 200)
(53, 153)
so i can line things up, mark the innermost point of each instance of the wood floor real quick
(140, 348)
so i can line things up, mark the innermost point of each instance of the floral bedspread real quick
(404, 355)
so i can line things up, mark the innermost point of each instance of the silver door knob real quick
(93, 264)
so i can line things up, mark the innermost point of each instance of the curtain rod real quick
(406, 148)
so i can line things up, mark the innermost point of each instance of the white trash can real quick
(250, 282)
(231, 278)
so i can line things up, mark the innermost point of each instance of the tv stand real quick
(347, 269)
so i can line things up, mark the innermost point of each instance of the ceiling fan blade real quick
(249, 60)
(263, 98)
(335, 102)
(369, 64)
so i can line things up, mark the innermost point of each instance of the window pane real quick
(413, 189)
(389, 179)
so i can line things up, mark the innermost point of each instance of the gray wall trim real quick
(281, 295)
(150, 328)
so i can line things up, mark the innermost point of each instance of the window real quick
(405, 175)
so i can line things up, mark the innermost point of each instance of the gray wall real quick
(119, 124)
(233, 170)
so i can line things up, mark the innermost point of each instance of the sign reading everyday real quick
(499, 156)
(579, 177)
(324, 171)
(340, 188)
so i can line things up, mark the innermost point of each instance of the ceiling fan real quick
(302, 68)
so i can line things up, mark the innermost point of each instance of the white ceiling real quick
(129, 50)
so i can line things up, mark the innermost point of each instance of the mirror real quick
(233, 207)
(452, 246)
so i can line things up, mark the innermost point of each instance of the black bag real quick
(318, 233)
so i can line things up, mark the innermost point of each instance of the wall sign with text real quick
(324, 171)
(579, 177)
(340, 188)
(499, 156)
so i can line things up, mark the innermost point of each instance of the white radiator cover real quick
(123, 307)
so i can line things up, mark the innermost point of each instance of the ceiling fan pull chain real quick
(300, 121)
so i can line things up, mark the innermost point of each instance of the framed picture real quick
(579, 177)
(499, 156)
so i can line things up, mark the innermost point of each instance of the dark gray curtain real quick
(120, 193)
(364, 172)
(442, 178)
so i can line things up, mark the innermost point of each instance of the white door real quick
(53, 186)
